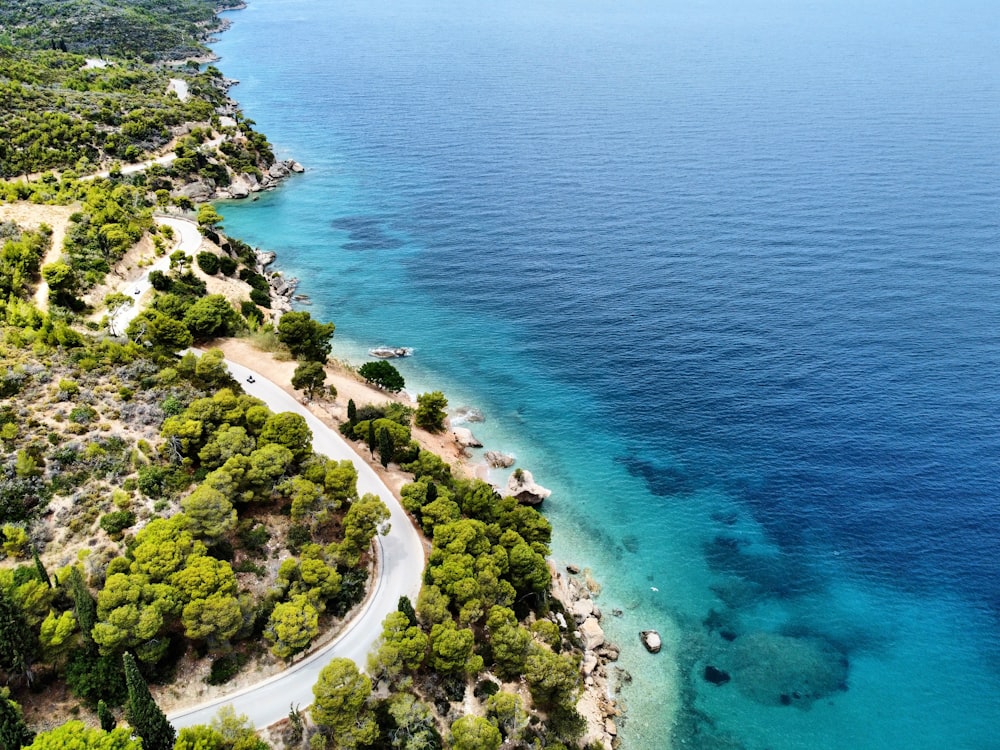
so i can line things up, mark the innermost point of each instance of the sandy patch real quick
(333, 412)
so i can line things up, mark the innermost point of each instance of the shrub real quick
(83, 414)
(225, 668)
(227, 265)
(116, 522)
(208, 262)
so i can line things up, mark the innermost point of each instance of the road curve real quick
(400, 569)
(188, 239)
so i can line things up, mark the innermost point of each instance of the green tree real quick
(306, 338)
(84, 604)
(14, 732)
(553, 679)
(341, 709)
(211, 514)
(106, 717)
(57, 635)
(431, 411)
(366, 516)
(18, 642)
(474, 733)
(292, 626)
(146, 718)
(401, 649)
(73, 735)
(309, 377)
(509, 642)
(156, 329)
(453, 650)
(410, 723)
(382, 374)
(208, 217)
(352, 412)
(210, 317)
(507, 712)
(63, 282)
(290, 430)
(386, 446)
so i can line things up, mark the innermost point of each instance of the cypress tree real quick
(18, 642)
(385, 446)
(146, 718)
(14, 733)
(106, 717)
(83, 602)
(406, 607)
(371, 437)
(352, 412)
(43, 574)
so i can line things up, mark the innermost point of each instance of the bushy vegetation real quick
(140, 28)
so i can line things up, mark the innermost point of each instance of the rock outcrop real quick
(465, 438)
(591, 633)
(522, 486)
(498, 460)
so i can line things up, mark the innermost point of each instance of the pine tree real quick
(14, 733)
(18, 642)
(146, 718)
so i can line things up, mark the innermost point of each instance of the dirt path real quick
(31, 216)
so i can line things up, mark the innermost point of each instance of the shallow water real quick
(724, 277)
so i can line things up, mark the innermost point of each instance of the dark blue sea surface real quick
(726, 277)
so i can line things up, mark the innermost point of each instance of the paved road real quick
(188, 239)
(400, 571)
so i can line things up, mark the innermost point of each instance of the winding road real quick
(400, 552)
(400, 569)
(188, 239)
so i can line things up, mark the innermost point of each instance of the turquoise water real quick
(724, 277)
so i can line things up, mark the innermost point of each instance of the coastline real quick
(602, 702)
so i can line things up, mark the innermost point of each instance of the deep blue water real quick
(725, 277)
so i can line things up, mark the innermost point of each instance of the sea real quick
(724, 275)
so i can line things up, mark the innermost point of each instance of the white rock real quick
(522, 486)
(651, 640)
(592, 634)
(582, 609)
(589, 663)
(465, 437)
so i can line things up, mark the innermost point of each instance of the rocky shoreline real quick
(603, 680)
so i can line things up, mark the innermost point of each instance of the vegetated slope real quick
(150, 29)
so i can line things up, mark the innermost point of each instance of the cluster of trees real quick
(21, 258)
(60, 115)
(96, 27)
(310, 342)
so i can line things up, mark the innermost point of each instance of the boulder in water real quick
(498, 460)
(651, 640)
